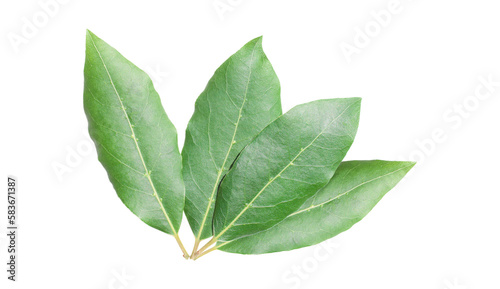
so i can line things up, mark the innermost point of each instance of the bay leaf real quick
(289, 161)
(135, 140)
(354, 190)
(241, 98)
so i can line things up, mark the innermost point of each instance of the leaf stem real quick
(198, 255)
(207, 245)
(195, 248)
(202, 253)
(185, 253)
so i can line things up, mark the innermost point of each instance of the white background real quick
(439, 228)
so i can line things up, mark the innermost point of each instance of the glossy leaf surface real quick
(284, 165)
(241, 98)
(136, 142)
(354, 190)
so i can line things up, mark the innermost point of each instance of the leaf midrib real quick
(219, 173)
(344, 193)
(279, 174)
(147, 171)
(315, 206)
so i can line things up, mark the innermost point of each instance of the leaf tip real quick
(92, 36)
(357, 99)
(407, 165)
(257, 41)
(89, 33)
(89, 37)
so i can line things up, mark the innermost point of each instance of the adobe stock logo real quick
(364, 35)
(157, 74)
(455, 116)
(303, 271)
(74, 156)
(120, 280)
(31, 26)
(224, 6)
(454, 284)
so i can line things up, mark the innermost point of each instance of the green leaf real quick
(354, 190)
(241, 98)
(284, 165)
(136, 142)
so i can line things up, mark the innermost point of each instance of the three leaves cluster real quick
(251, 178)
